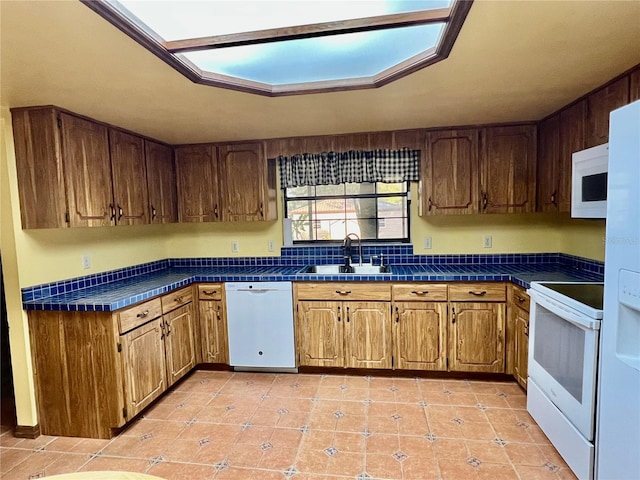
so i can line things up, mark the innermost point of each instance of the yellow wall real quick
(31, 257)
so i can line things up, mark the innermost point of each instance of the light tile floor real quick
(262, 426)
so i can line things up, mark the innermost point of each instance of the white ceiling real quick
(513, 61)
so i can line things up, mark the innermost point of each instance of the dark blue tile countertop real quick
(113, 290)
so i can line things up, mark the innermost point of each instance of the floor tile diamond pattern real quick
(311, 427)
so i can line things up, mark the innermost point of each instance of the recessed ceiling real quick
(280, 47)
(512, 61)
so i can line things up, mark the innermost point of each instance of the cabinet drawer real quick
(130, 318)
(477, 292)
(210, 291)
(429, 292)
(344, 291)
(519, 297)
(173, 300)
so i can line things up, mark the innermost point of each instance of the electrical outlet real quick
(487, 241)
(427, 243)
(86, 261)
(235, 247)
(270, 246)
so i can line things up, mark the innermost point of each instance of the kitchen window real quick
(373, 211)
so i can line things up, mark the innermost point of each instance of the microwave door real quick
(589, 182)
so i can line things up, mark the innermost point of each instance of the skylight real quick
(291, 47)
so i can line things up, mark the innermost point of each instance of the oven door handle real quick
(566, 313)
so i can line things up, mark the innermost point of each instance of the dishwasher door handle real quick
(255, 290)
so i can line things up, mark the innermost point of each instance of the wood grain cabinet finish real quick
(78, 373)
(129, 174)
(179, 342)
(450, 176)
(213, 323)
(476, 337)
(39, 164)
(343, 324)
(507, 169)
(161, 183)
(518, 334)
(550, 169)
(243, 182)
(634, 85)
(197, 181)
(420, 335)
(144, 366)
(599, 106)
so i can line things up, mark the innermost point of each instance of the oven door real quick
(563, 351)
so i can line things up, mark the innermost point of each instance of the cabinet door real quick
(476, 337)
(179, 342)
(572, 139)
(450, 180)
(87, 168)
(420, 335)
(213, 331)
(242, 182)
(144, 366)
(521, 356)
(39, 166)
(634, 86)
(161, 182)
(320, 334)
(548, 178)
(129, 174)
(599, 106)
(508, 169)
(367, 335)
(197, 179)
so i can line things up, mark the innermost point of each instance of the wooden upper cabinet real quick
(507, 169)
(39, 166)
(599, 106)
(548, 178)
(129, 173)
(634, 85)
(85, 149)
(242, 170)
(197, 181)
(573, 121)
(161, 183)
(450, 173)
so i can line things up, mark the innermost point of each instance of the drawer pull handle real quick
(178, 299)
(420, 292)
(520, 299)
(343, 292)
(209, 292)
(142, 314)
(478, 294)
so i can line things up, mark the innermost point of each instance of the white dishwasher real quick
(260, 325)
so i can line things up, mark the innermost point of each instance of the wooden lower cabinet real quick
(213, 324)
(367, 335)
(476, 337)
(420, 335)
(319, 334)
(521, 354)
(179, 344)
(144, 366)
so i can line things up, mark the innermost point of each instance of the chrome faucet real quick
(346, 244)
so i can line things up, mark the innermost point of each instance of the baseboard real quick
(27, 431)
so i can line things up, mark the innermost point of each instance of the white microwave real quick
(589, 182)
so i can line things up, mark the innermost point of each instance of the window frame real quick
(406, 194)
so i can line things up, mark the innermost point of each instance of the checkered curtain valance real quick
(355, 166)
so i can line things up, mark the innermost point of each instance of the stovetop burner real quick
(591, 294)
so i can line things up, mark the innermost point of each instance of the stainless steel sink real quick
(354, 269)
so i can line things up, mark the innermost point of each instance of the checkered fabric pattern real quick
(334, 168)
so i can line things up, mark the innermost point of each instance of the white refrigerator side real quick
(618, 405)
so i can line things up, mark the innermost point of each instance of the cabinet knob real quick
(343, 292)
(153, 212)
(113, 212)
(143, 314)
(178, 299)
(520, 299)
(485, 201)
(120, 212)
(348, 319)
(430, 204)
(420, 292)
(261, 209)
(215, 210)
(209, 292)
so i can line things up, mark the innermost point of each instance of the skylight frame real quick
(170, 51)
